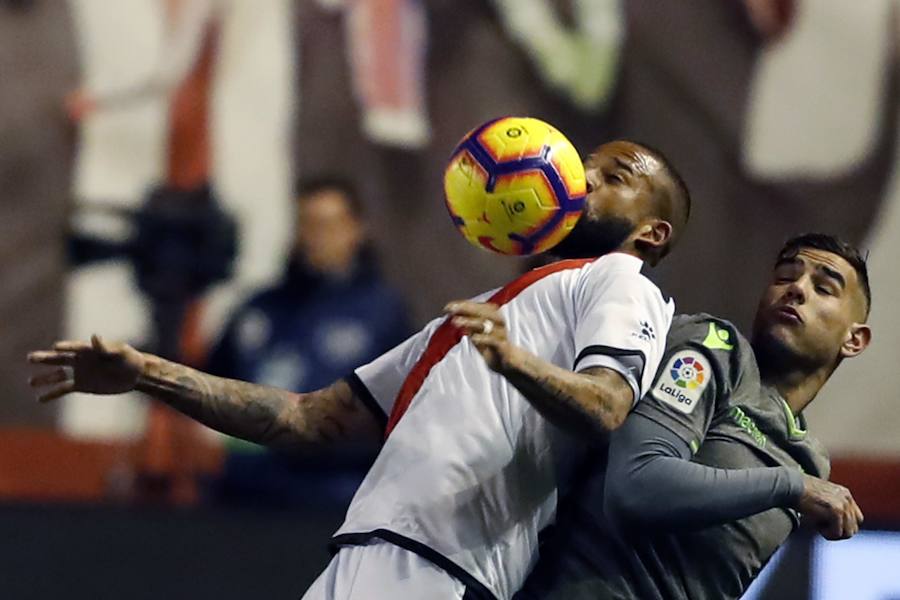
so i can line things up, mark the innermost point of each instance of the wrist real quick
(148, 374)
(795, 486)
(512, 359)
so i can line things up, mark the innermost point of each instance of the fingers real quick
(99, 345)
(832, 506)
(63, 353)
(848, 526)
(72, 346)
(844, 522)
(833, 528)
(859, 513)
(57, 391)
(471, 326)
(52, 357)
(476, 318)
(854, 517)
(48, 378)
(478, 310)
(60, 380)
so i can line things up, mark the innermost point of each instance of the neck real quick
(301, 274)
(638, 248)
(340, 273)
(797, 386)
(631, 250)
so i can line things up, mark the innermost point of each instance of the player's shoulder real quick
(618, 263)
(700, 349)
(711, 340)
(622, 271)
(708, 331)
(614, 263)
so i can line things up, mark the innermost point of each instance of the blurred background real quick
(253, 187)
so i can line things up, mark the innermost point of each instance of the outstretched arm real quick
(648, 461)
(257, 413)
(587, 402)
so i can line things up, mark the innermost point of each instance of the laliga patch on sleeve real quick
(682, 382)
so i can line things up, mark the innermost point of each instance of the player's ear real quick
(653, 236)
(858, 339)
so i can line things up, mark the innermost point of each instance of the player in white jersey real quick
(473, 457)
(469, 469)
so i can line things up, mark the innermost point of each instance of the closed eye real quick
(613, 178)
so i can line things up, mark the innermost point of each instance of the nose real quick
(796, 291)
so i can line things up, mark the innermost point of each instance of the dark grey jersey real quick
(708, 393)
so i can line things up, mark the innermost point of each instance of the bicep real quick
(336, 413)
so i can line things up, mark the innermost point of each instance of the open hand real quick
(486, 328)
(95, 367)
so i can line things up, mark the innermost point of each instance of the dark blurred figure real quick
(330, 313)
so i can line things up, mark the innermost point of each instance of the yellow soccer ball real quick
(515, 185)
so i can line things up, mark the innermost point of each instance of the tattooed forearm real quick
(595, 400)
(258, 413)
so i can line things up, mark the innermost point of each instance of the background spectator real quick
(330, 312)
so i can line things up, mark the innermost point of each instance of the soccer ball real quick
(515, 185)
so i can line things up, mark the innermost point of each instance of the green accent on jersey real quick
(794, 430)
(749, 425)
(695, 447)
(239, 446)
(717, 339)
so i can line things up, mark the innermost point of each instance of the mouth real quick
(788, 314)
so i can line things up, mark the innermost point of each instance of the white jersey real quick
(469, 470)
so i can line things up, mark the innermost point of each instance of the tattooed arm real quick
(593, 400)
(590, 401)
(257, 413)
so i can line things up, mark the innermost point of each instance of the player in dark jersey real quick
(714, 468)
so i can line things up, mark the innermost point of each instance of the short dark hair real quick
(835, 245)
(679, 202)
(681, 188)
(312, 185)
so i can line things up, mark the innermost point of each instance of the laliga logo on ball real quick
(515, 185)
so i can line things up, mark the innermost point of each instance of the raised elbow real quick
(615, 416)
(611, 410)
